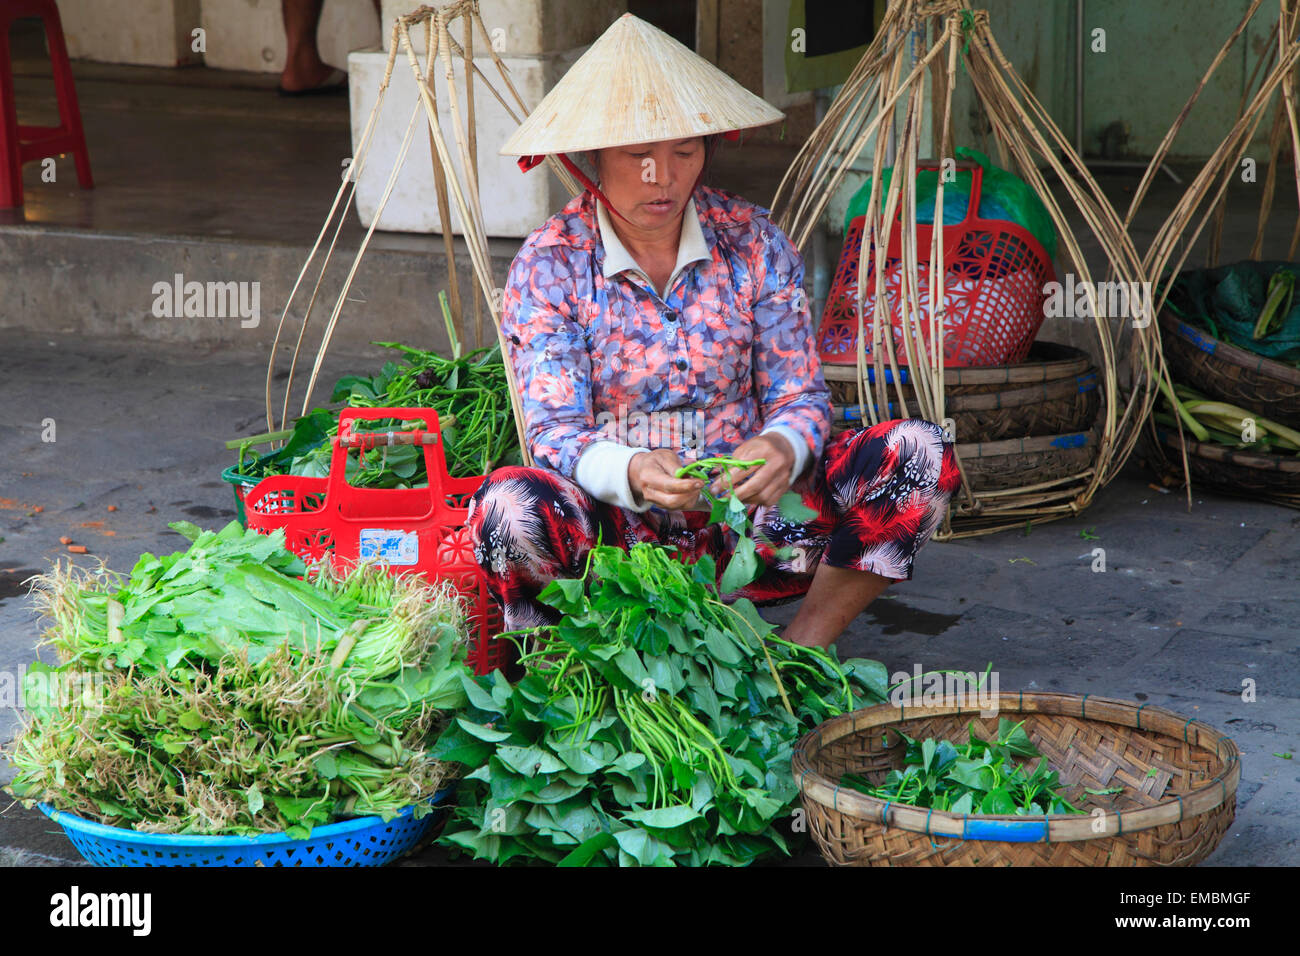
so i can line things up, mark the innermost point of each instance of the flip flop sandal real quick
(335, 83)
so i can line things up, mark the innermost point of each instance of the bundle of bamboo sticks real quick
(456, 180)
(884, 101)
(1207, 195)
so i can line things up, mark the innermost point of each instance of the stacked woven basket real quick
(1016, 424)
(1230, 374)
(1036, 437)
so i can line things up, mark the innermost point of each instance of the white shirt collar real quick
(691, 247)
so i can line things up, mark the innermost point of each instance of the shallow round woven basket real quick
(1046, 362)
(1055, 392)
(1231, 374)
(1048, 408)
(364, 841)
(1233, 471)
(1018, 462)
(1179, 776)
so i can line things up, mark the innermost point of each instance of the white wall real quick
(249, 34)
(137, 32)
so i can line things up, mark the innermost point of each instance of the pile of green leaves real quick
(980, 777)
(470, 391)
(212, 691)
(654, 724)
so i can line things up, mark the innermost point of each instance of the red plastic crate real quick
(414, 529)
(994, 277)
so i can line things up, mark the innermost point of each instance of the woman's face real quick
(650, 183)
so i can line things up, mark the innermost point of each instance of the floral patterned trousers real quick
(880, 492)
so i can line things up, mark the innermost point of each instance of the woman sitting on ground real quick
(651, 297)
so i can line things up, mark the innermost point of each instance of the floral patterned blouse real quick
(730, 342)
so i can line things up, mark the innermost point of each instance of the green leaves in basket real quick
(981, 777)
(471, 390)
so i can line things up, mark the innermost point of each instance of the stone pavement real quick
(1190, 606)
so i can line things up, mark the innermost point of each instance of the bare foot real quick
(305, 76)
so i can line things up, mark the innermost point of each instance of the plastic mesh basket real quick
(994, 277)
(365, 841)
(273, 461)
(242, 485)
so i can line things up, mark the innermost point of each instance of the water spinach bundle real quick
(654, 725)
(230, 697)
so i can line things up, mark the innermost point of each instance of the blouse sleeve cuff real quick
(602, 473)
(801, 449)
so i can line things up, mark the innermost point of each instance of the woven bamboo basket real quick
(1179, 776)
(1019, 462)
(1057, 393)
(1224, 371)
(1231, 471)
(1269, 92)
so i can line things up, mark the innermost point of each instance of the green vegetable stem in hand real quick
(704, 470)
(705, 467)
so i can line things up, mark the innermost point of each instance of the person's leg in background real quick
(303, 67)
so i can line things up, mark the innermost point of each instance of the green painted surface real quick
(1156, 53)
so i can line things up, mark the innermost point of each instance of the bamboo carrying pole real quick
(455, 181)
(882, 100)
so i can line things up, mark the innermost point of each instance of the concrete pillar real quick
(138, 32)
(514, 203)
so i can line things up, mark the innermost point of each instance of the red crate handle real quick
(976, 188)
(339, 493)
(925, 231)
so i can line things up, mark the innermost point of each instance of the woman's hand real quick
(765, 484)
(652, 477)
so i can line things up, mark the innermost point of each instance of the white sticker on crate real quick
(395, 547)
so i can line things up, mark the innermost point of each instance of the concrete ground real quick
(211, 175)
(1190, 606)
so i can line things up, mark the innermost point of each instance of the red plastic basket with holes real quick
(413, 529)
(994, 277)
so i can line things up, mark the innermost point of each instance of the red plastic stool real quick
(23, 144)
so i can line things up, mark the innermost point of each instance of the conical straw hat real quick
(636, 85)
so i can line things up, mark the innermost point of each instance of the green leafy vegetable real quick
(469, 394)
(225, 695)
(983, 777)
(653, 726)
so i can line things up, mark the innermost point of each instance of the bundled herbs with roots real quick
(230, 697)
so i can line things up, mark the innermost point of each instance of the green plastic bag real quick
(1003, 195)
(1226, 301)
